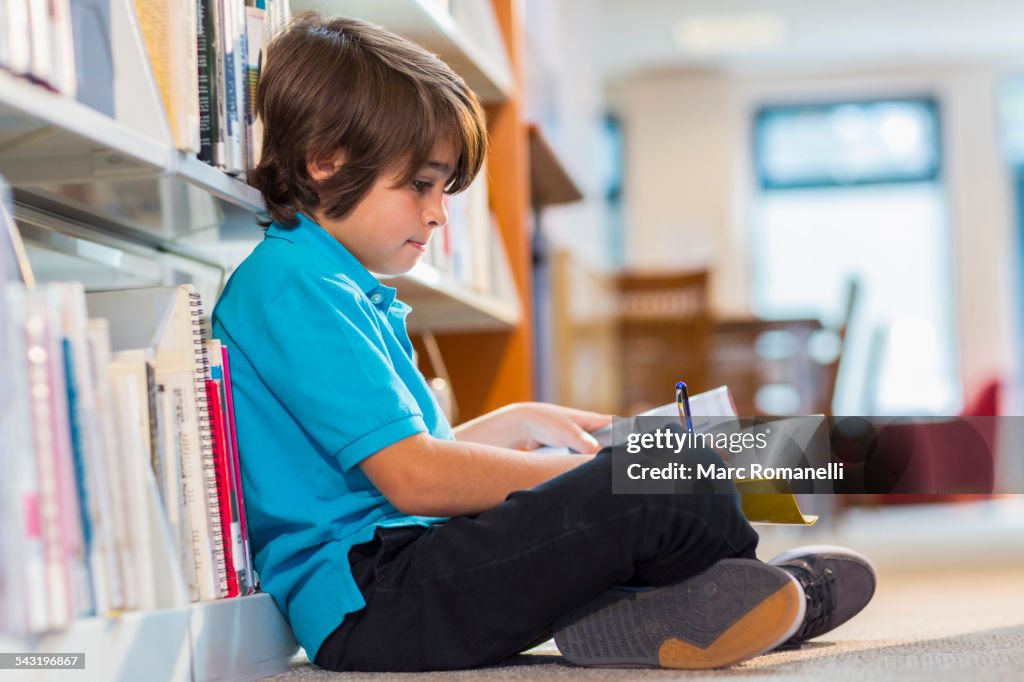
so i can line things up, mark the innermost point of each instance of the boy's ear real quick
(322, 168)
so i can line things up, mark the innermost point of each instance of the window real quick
(847, 144)
(1011, 114)
(852, 190)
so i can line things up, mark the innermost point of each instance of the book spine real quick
(156, 449)
(62, 48)
(109, 537)
(27, 483)
(188, 69)
(40, 65)
(250, 579)
(199, 569)
(206, 54)
(215, 10)
(235, 162)
(171, 490)
(238, 76)
(70, 519)
(18, 38)
(80, 474)
(223, 481)
(201, 373)
(57, 571)
(254, 36)
(233, 521)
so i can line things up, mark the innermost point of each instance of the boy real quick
(388, 540)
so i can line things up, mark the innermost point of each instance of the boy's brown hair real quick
(343, 84)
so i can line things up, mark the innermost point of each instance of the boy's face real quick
(389, 229)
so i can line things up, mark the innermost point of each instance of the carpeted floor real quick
(953, 612)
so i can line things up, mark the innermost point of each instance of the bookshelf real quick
(439, 304)
(46, 137)
(483, 65)
(112, 202)
(489, 370)
(68, 160)
(550, 181)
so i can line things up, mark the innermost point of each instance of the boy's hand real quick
(525, 426)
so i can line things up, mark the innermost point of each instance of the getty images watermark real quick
(806, 454)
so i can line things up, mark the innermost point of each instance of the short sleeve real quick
(322, 354)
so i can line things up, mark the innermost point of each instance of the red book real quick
(237, 471)
(222, 471)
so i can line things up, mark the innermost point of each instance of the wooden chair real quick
(664, 335)
(585, 367)
(755, 356)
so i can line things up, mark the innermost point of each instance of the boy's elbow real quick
(415, 504)
(419, 495)
(405, 474)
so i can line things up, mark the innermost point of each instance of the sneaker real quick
(837, 582)
(733, 611)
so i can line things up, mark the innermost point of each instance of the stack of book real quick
(467, 250)
(36, 42)
(120, 487)
(205, 56)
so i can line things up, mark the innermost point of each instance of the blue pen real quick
(683, 403)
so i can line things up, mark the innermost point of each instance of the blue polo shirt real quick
(323, 377)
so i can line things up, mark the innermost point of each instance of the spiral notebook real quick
(168, 320)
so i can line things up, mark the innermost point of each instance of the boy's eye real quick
(421, 185)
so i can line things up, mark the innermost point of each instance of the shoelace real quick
(821, 600)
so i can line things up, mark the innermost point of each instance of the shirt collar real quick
(334, 258)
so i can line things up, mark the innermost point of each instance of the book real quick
(230, 32)
(89, 442)
(768, 502)
(224, 483)
(169, 30)
(16, 40)
(108, 472)
(23, 574)
(249, 584)
(169, 321)
(256, 42)
(130, 387)
(228, 461)
(57, 498)
(206, 57)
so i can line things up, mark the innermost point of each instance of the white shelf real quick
(440, 304)
(134, 646)
(228, 639)
(46, 137)
(429, 25)
(47, 140)
(239, 639)
(216, 182)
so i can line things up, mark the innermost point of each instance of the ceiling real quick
(636, 36)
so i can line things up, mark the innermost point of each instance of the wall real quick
(689, 183)
(565, 96)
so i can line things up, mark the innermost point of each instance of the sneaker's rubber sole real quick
(736, 609)
(840, 553)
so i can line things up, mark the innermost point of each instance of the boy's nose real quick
(436, 214)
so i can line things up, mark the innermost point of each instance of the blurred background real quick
(828, 192)
(818, 204)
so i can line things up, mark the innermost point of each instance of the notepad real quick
(764, 501)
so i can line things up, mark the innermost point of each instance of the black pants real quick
(475, 590)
